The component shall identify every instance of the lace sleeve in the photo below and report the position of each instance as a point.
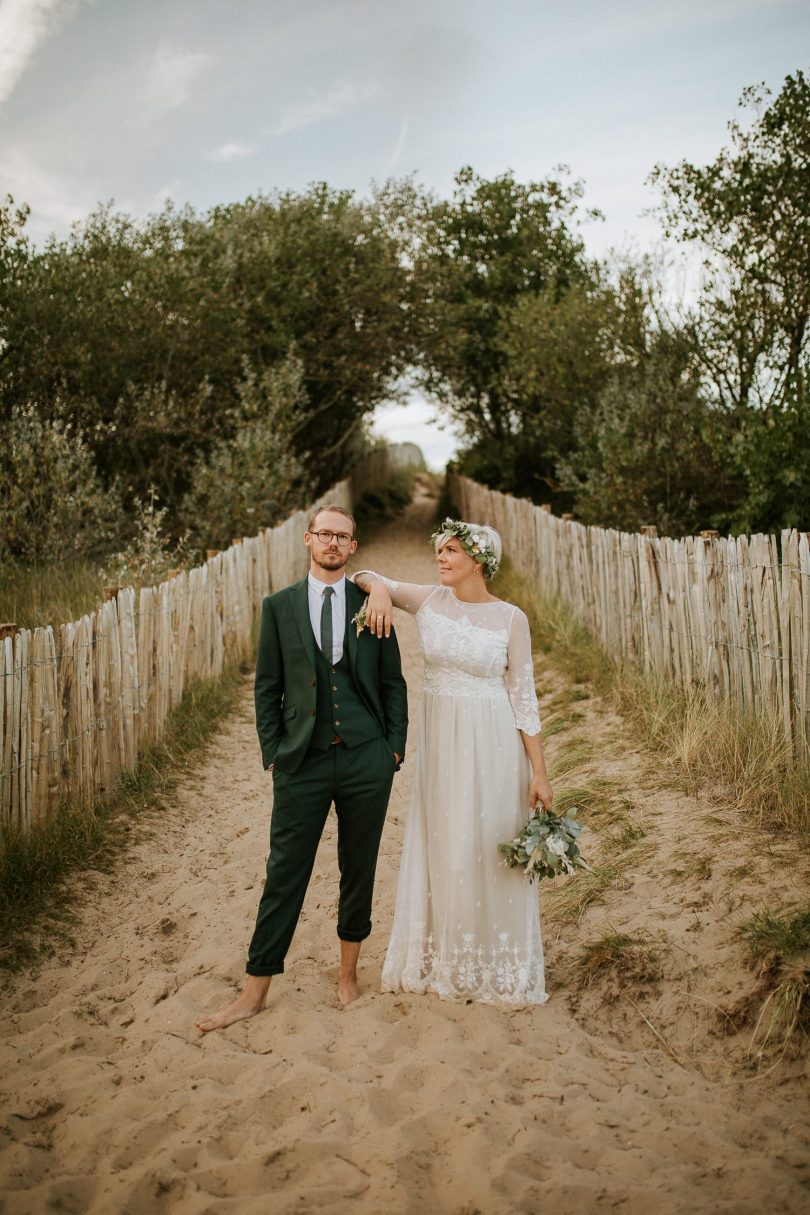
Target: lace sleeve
(520, 675)
(406, 595)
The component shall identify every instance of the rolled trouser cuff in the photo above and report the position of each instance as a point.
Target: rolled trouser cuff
(345, 935)
(260, 971)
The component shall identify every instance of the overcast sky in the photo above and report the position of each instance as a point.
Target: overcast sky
(206, 101)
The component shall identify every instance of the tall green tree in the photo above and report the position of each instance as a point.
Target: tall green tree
(493, 244)
(649, 448)
(320, 276)
(141, 331)
(749, 213)
(562, 349)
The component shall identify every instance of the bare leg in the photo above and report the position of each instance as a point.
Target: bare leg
(347, 975)
(247, 1004)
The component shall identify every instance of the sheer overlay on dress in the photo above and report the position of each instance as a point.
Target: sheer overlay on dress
(466, 927)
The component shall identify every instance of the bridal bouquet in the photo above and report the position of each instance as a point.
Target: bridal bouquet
(546, 847)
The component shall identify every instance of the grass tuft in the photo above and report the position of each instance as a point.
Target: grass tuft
(581, 796)
(632, 957)
(781, 946)
(35, 900)
(784, 1020)
(570, 900)
(601, 802)
(563, 721)
(624, 835)
(576, 754)
(767, 933)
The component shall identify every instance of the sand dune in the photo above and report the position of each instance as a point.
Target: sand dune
(112, 1102)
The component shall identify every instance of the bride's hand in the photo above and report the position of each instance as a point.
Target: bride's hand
(540, 791)
(379, 610)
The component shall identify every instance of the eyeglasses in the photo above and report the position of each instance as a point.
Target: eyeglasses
(343, 538)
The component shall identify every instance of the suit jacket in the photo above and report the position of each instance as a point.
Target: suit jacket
(286, 685)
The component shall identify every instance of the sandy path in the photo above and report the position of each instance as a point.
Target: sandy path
(112, 1102)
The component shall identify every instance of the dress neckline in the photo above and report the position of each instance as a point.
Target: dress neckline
(473, 603)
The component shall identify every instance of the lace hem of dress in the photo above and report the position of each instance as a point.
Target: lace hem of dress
(495, 974)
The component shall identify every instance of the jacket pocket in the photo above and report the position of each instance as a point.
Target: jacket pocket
(291, 712)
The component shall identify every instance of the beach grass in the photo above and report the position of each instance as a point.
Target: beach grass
(768, 933)
(634, 958)
(779, 948)
(35, 596)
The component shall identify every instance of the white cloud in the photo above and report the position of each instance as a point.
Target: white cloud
(23, 25)
(338, 100)
(172, 73)
(231, 151)
(418, 421)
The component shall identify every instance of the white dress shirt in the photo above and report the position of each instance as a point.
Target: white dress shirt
(316, 590)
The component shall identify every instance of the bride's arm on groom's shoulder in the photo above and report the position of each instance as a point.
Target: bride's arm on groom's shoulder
(385, 593)
(365, 579)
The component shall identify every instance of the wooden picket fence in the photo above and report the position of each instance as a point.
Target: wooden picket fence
(78, 705)
(729, 614)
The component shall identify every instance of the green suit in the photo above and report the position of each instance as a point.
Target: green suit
(303, 703)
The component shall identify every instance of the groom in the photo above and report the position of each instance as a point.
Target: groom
(332, 715)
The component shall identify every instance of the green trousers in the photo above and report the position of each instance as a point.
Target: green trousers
(358, 780)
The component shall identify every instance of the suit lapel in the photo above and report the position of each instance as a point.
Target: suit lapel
(354, 601)
(300, 597)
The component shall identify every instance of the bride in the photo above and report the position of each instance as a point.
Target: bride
(465, 927)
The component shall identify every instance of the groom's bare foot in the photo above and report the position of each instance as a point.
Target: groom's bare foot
(348, 991)
(250, 1002)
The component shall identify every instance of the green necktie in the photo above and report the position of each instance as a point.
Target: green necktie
(326, 624)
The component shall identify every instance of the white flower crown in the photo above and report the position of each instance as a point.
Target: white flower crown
(472, 541)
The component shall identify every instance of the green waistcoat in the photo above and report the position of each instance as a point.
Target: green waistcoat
(339, 710)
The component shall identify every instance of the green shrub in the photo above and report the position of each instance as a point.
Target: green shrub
(252, 478)
(150, 554)
(53, 504)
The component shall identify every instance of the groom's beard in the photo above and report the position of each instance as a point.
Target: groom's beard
(330, 561)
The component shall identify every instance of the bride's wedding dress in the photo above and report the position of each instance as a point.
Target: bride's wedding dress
(465, 926)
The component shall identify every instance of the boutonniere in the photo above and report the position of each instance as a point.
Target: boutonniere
(359, 618)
